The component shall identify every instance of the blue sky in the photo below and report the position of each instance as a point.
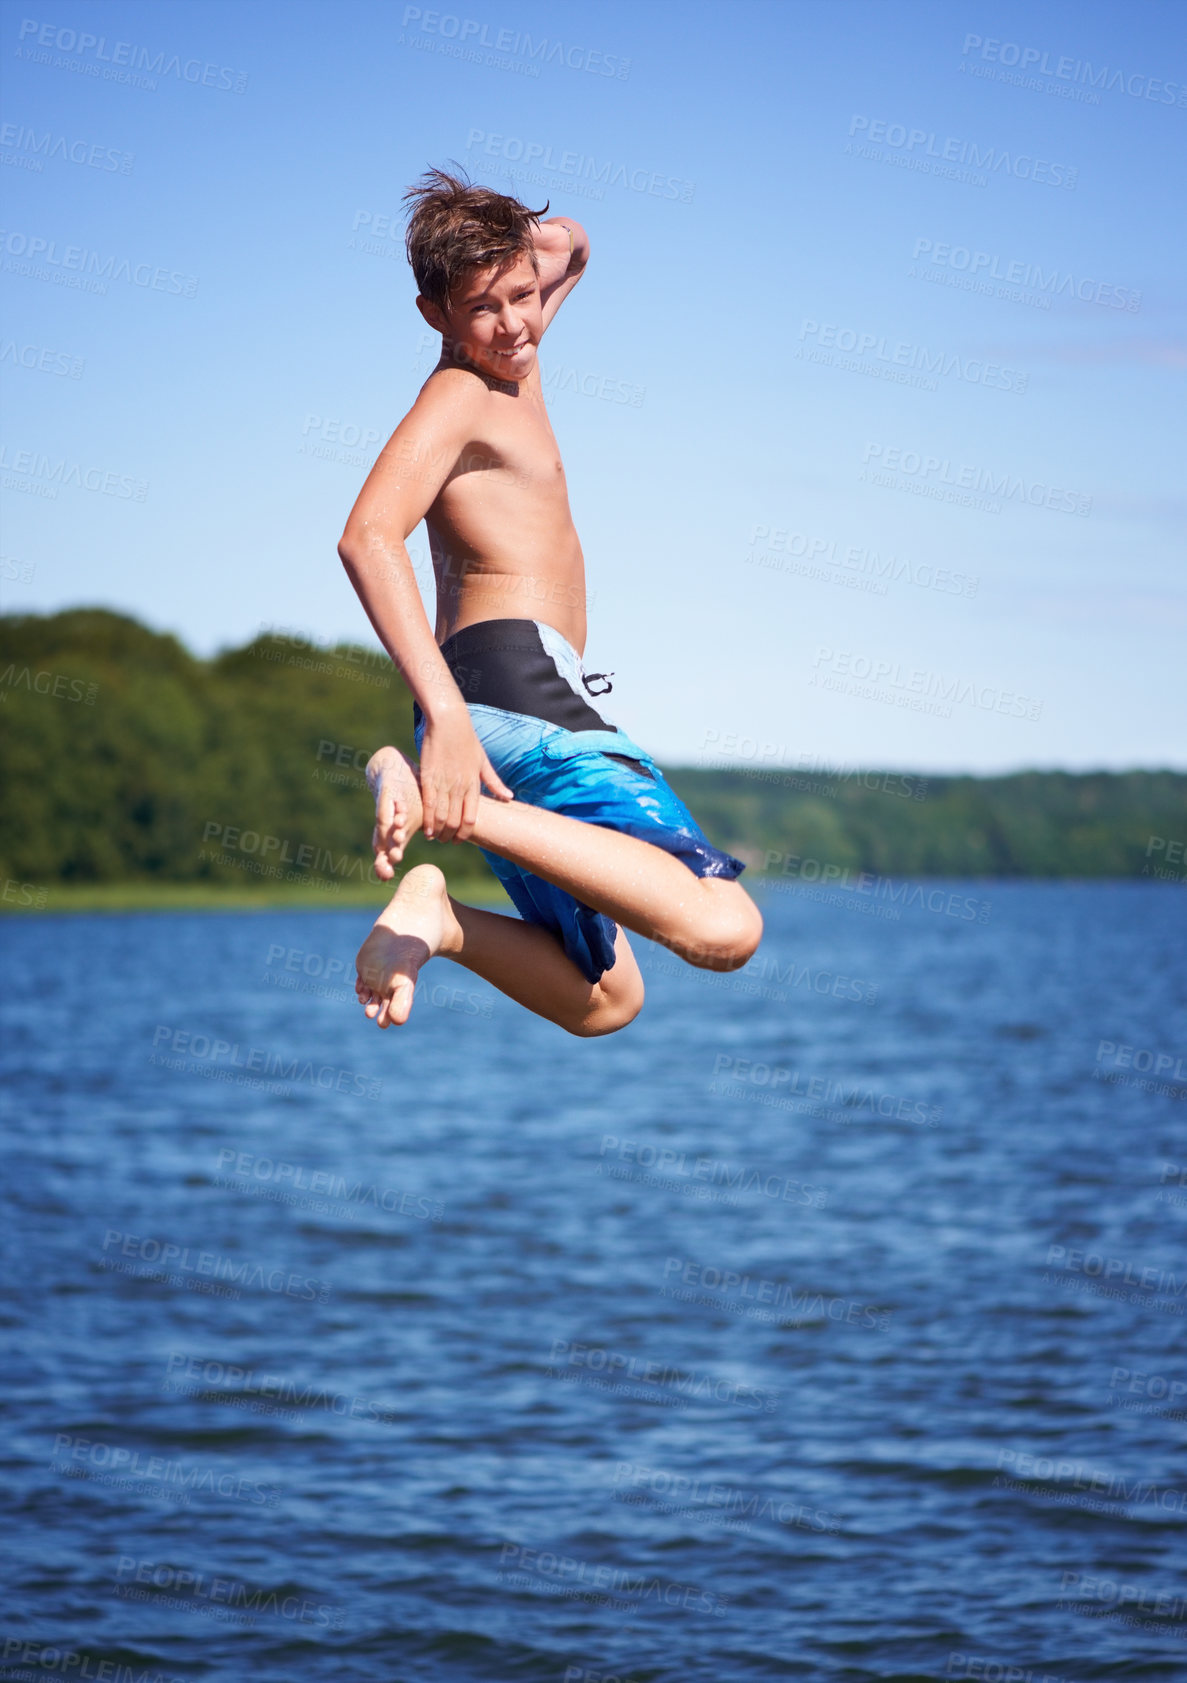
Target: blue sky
(871, 399)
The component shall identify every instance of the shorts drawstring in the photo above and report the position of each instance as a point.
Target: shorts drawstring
(605, 678)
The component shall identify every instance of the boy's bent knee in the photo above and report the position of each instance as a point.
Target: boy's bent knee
(727, 939)
(610, 1014)
(746, 934)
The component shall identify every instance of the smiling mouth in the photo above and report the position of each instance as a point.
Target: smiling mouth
(515, 349)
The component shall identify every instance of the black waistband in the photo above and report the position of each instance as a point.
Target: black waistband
(503, 663)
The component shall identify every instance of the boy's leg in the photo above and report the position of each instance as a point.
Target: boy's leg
(520, 959)
(710, 922)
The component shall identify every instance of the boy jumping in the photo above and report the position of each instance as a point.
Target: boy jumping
(578, 822)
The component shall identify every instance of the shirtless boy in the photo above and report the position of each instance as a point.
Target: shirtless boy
(576, 820)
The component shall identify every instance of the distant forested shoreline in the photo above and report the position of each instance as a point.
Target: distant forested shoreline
(126, 760)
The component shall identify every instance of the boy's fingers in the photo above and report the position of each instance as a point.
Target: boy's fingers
(440, 814)
(428, 799)
(449, 812)
(469, 812)
(494, 782)
(383, 864)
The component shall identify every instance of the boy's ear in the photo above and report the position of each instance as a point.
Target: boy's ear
(433, 314)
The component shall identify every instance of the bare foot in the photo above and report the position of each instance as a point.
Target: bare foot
(417, 924)
(398, 810)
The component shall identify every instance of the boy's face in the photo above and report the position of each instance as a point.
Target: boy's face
(494, 320)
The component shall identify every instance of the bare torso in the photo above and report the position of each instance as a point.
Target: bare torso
(502, 538)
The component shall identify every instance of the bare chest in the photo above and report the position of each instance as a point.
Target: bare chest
(522, 440)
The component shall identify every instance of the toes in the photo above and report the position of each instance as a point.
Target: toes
(397, 1006)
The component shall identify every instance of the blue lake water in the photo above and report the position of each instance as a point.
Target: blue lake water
(830, 1322)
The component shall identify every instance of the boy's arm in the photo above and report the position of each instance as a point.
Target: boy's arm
(562, 251)
(400, 489)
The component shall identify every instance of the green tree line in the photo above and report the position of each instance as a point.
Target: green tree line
(126, 759)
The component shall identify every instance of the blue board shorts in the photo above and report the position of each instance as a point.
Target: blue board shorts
(528, 700)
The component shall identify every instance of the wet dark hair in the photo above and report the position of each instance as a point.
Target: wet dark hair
(455, 227)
